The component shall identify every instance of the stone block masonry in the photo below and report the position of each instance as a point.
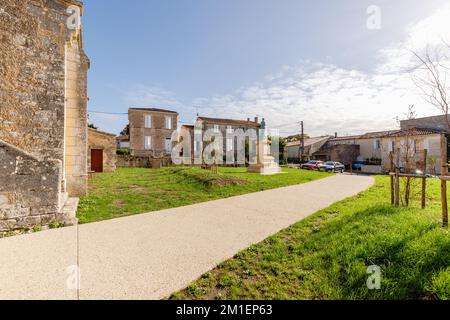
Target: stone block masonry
(43, 111)
(29, 190)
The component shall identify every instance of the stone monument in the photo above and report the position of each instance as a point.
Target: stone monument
(264, 163)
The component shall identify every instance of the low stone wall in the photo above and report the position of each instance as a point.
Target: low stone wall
(128, 161)
(372, 169)
(30, 189)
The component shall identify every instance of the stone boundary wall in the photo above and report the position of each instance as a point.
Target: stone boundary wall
(126, 161)
(29, 190)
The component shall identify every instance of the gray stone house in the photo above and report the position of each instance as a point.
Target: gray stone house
(223, 126)
(43, 116)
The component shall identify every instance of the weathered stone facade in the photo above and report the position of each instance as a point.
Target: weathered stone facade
(30, 189)
(158, 131)
(43, 116)
(98, 140)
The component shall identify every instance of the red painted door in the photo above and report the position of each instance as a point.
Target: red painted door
(97, 160)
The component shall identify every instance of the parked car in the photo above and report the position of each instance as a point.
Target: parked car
(357, 165)
(311, 165)
(332, 167)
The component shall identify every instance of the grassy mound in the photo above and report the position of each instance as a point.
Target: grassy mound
(208, 179)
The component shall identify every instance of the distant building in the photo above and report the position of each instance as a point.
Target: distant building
(101, 151)
(375, 147)
(441, 122)
(123, 142)
(218, 125)
(311, 145)
(151, 131)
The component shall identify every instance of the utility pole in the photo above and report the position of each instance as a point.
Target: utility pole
(302, 138)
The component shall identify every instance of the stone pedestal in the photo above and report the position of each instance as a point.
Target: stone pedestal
(265, 163)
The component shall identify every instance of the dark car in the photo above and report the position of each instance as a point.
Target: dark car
(357, 165)
(332, 166)
(311, 165)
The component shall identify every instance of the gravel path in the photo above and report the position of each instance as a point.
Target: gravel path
(152, 255)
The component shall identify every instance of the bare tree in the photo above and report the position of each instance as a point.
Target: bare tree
(432, 81)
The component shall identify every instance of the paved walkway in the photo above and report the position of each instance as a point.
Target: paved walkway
(149, 256)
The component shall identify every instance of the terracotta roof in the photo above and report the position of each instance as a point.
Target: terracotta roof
(102, 132)
(123, 138)
(153, 110)
(345, 138)
(308, 142)
(230, 122)
(414, 132)
(379, 134)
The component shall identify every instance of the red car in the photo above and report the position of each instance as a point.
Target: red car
(312, 165)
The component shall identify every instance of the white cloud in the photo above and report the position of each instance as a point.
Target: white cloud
(329, 98)
(143, 96)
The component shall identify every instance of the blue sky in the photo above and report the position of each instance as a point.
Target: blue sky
(285, 60)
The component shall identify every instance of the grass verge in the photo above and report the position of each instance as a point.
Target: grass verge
(133, 191)
(327, 255)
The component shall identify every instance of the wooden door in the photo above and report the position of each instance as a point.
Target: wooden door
(97, 160)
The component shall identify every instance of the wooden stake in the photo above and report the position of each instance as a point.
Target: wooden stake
(391, 158)
(444, 181)
(397, 179)
(424, 180)
(444, 203)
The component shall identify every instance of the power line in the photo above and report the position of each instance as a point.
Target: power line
(104, 112)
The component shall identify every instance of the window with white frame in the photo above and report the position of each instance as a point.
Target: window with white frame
(216, 128)
(148, 121)
(391, 146)
(230, 129)
(197, 146)
(230, 145)
(168, 122)
(148, 143)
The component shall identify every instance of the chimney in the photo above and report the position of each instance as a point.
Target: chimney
(256, 119)
(335, 134)
(248, 119)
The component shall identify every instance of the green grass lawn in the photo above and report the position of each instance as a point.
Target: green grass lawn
(133, 191)
(327, 255)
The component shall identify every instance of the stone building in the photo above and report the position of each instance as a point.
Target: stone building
(223, 126)
(310, 146)
(151, 132)
(43, 116)
(441, 122)
(101, 151)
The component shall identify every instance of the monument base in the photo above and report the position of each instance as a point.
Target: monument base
(264, 170)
